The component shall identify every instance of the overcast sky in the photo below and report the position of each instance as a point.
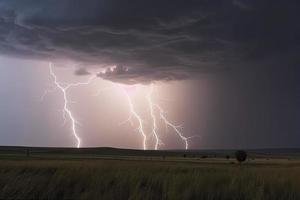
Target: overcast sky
(227, 71)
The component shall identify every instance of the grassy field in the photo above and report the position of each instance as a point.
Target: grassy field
(114, 174)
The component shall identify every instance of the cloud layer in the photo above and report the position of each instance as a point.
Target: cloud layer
(154, 40)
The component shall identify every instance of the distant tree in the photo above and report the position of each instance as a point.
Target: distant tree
(204, 156)
(241, 156)
(227, 157)
(184, 155)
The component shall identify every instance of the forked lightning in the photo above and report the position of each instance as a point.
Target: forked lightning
(153, 107)
(66, 110)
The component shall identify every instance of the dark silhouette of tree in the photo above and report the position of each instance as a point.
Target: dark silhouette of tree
(184, 155)
(227, 157)
(241, 156)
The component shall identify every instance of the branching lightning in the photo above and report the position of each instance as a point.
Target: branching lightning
(154, 130)
(165, 120)
(154, 125)
(174, 127)
(133, 113)
(66, 110)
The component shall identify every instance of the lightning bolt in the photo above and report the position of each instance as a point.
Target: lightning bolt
(165, 120)
(154, 125)
(66, 110)
(133, 113)
(174, 127)
(152, 108)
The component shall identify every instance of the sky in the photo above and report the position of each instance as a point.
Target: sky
(225, 73)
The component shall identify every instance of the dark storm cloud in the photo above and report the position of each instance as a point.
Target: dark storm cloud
(156, 40)
(133, 76)
(82, 72)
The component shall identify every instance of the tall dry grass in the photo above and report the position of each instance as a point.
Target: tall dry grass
(95, 179)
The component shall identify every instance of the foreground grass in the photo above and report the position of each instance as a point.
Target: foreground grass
(109, 179)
